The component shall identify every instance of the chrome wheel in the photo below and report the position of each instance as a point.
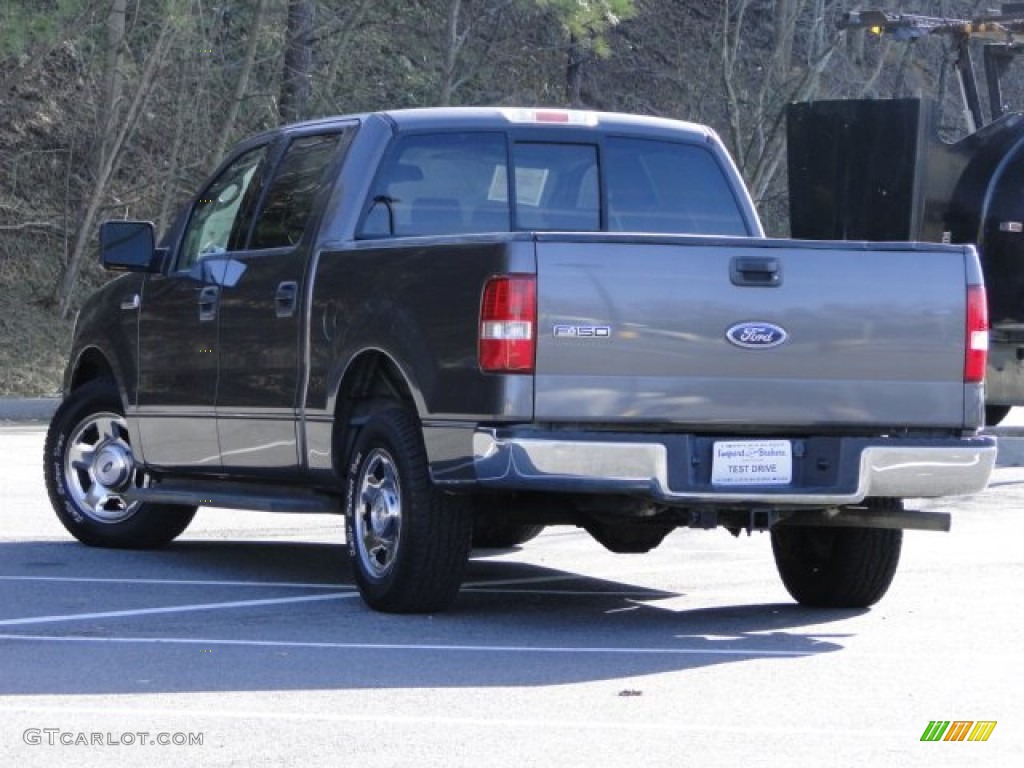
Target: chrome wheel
(89, 467)
(99, 468)
(378, 516)
(407, 541)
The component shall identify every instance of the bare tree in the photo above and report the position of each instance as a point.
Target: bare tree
(756, 92)
(298, 61)
(339, 36)
(467, 45)
(241, 84)
(455, 39)
(113, 81)
(65, 286)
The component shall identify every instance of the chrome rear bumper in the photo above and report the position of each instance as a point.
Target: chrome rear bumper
(675, 470)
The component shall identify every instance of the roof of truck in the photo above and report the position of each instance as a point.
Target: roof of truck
(448, 118)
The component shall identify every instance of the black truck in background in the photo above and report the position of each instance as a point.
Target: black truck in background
(877, 170)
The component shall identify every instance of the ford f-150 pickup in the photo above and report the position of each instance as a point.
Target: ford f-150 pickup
(456, 326)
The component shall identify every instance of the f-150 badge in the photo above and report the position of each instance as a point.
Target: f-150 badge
(583, 332)
(756, 335)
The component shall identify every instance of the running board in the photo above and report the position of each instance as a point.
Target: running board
(233, 495)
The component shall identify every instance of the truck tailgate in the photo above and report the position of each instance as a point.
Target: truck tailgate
(636, 330)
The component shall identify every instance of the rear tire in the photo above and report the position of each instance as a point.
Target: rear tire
(408, 541)
(836, 567)
(995, 414)
(88, 465)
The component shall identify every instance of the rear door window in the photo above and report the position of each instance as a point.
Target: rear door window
(302, 173)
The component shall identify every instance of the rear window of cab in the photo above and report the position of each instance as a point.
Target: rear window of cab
(459, 183)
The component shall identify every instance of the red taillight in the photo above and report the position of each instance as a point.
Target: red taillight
(508, 319)
(977, 334)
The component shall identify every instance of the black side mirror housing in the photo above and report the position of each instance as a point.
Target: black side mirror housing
(129, 246)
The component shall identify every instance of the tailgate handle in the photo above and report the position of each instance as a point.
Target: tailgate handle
(764, 272)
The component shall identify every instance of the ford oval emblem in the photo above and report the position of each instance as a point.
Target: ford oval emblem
(756, 335)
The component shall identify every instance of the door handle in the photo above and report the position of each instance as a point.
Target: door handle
(286, 298)
(764, 272)
(209, 296)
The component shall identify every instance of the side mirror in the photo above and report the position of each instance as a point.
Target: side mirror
(129, 246)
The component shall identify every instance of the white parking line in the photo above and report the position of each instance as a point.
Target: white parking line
(546, 649)
(679, 725)
(471, 585)
(172, 609)
(497, 586)
(176, 582)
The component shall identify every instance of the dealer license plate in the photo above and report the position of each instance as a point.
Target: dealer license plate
(752, 462)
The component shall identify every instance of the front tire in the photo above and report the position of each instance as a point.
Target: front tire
(409, 542)
(836, 567)
(88, 466)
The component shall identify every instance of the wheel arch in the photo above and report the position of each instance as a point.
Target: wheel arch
(91, 364)
(372, 379)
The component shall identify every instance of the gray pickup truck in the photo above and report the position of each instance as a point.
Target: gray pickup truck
(457, 326)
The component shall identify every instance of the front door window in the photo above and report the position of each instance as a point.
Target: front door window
(220, 219)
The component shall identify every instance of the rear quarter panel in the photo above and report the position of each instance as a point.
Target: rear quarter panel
(417, 300)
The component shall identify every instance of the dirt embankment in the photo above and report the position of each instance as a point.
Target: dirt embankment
(46, 126)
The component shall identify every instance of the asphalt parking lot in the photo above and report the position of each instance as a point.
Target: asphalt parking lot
(247, 635)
